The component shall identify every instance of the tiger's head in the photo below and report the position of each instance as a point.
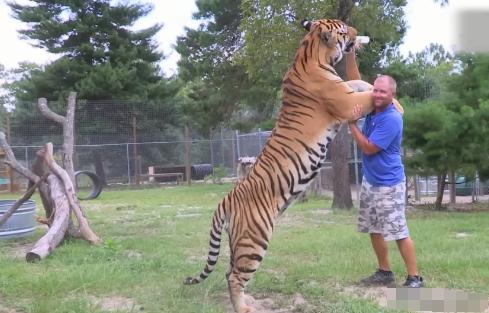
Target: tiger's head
(334, 36)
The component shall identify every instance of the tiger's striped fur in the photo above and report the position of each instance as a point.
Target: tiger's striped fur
(315, 102)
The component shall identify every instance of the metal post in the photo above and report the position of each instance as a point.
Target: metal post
(238, 152)
(188, 141)
(210, 146)
(128, 164)
(26, 158)
(135, 149)
(259, 140)
(416, 188)
(222, 148)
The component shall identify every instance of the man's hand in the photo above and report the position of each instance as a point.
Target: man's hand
(357, 114)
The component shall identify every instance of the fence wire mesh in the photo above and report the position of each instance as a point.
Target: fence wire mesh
(121, 140)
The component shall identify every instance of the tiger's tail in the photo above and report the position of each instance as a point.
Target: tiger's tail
(214, 247)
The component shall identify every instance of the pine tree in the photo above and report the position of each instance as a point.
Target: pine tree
(100, 56)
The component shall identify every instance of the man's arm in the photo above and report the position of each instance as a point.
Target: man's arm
(365, 145)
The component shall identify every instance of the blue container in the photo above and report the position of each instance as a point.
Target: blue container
(21, 223)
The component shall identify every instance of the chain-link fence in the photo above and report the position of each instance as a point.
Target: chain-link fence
(126, 142)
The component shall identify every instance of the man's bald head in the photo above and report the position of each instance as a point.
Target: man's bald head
(390, 80)
(384, 90)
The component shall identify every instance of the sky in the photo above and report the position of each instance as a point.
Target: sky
(427, 23)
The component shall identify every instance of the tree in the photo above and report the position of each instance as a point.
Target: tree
(272, 32)
(100, 57)
(468, 99)
(448, 133)
(217, 86)
(421, 76)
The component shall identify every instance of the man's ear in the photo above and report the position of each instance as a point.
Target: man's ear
(329, 38)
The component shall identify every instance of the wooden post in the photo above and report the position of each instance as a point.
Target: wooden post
(187, 155)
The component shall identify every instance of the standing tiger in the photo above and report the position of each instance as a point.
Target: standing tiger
(315, 101)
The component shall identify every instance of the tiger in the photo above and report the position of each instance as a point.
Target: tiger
(315, 102)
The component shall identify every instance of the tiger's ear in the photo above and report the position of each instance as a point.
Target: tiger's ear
(329, 38)
(306, 24)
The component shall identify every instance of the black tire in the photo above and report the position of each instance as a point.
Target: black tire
(97, 185)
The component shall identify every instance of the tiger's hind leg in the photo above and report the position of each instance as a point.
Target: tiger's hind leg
(241, 271)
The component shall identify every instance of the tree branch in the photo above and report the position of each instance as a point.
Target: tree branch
(12, 161)
(85, 229)
(42, 104)
(5, 216)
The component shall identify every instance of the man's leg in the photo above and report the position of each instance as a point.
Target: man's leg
(406, 248)
(368, 222)
(381, 251)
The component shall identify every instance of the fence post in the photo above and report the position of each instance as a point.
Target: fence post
(135, 149)
(26, 157)
(128, 164)
(238, 152)
(187, 155)
(222, 148)
(212, 152)
(259, 141)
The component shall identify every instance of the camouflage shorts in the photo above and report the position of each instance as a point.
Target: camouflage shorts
(382, 210)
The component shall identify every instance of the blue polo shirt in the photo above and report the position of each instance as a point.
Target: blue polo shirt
(384, 129)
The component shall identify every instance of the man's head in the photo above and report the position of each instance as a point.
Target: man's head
(384, 91)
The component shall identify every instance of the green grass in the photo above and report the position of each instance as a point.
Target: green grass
(154, 238)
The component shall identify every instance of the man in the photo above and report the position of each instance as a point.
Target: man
(382, 200)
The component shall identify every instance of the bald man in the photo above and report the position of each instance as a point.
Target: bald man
(382, 199)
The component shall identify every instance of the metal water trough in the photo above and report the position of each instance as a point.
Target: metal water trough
(21, 223)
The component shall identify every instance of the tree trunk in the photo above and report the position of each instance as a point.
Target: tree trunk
(341, 184)
(58, 195)
(69, 137)
(339, 156)
(99, 166)
(68, 124)
(451, 179)
(343, 10)
(440, 190)
(57, 229)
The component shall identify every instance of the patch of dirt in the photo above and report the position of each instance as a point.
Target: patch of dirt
(376, 294)
(129, 207)
(18, 251)
(274, 303)
(133, 254)
(462, 235)
(115, 303)
(5, 309)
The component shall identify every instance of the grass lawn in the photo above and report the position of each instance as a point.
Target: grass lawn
(154, 238)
